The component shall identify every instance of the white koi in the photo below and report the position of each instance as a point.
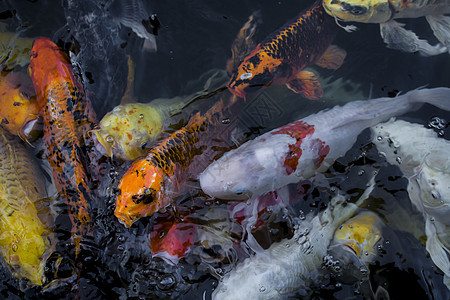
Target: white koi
(301, 149)
(424, 159)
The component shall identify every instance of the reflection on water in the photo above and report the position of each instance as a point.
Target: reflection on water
(207, 237)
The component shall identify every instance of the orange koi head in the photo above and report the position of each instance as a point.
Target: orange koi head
(140, 192)
(48, 65)
(255, 72)
(18, 102)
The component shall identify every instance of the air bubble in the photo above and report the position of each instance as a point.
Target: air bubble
(14, 247)
(141, 116)
(109, 139)
(226, 121)
(379, 138)
(262, 289)
(361, 172)
(398, 160)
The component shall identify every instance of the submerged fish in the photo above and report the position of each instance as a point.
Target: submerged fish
(424, 159)
(392, 32)
(301, 149)
(132, 14)
(171, 239)
(103, 63)
(23, 242)
(68, 117)
(18, 103)
(290, 265)
(14, 50)
(152, 182)
(282, 56)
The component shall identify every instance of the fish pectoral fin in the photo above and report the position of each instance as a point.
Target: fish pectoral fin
(441, 28)
(306, 83)
(333, 58)
(397, 37)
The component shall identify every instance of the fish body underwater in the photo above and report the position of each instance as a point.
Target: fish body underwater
(395, 36)
(290, 265)
(153, 181)
(423, 158)
(280, 58)
(68, 117)
(301, 149)
(23, 243)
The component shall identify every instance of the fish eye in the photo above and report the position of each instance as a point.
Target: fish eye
(353, 9)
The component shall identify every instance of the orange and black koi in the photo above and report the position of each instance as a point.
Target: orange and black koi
(151, 182)
(281, 57)
(68, 117)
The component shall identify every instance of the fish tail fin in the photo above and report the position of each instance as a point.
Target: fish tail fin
(439, 97)
(133, 14)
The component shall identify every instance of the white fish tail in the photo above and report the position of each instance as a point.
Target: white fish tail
(439, 97)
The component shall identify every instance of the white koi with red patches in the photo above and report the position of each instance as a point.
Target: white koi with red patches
(301, 149)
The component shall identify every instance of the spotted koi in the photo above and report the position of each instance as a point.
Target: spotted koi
(151, 182)
(68, 116)
(281, 57)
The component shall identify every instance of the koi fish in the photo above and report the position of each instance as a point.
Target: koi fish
(394, 35)
(151, 182)
(18, 102)
(281, 57)
(301, 149)
(354, 246)
(68, 116)
(292, 264)
(23, 241)
(423, 159)
(170, 239)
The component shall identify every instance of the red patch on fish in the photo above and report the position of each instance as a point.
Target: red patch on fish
(297, 130)
(171, 237)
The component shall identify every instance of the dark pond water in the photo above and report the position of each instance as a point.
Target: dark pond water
(195, 37)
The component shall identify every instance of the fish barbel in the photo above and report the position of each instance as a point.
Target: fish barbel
(280, 58)
(68, 117)
(300, 149)
(23, 241)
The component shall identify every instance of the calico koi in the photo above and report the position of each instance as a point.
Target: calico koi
(281, 57)
(68, 117)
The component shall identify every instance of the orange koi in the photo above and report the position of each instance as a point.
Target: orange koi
(281, 57)
(151, 182)
(18, 102)
(68, 116)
